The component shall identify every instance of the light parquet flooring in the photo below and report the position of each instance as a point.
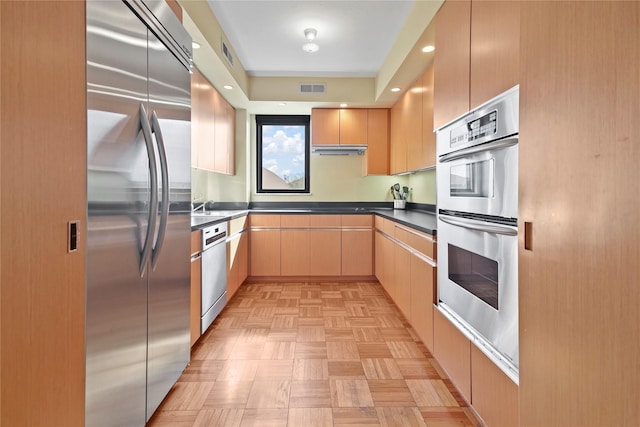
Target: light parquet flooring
(312, 354)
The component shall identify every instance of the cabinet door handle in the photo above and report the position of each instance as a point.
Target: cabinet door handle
(528, 236)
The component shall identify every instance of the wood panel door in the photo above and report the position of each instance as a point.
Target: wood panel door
(353, 126)
(221, 135)
(265, 252)
(495, 49)
(202, 122)
(377, 155)
(357, 252)
(325, 126)
(451, 61)
(196, 295)
(379, 256)
(413, 126)
(324, 252)
(398, 142)
(403, 280)
(453, 352)
(428, 131)
(579, 299)
(43, 187)
(389, 267)
(243, 257)
(422, 299)
(231, 139)
(495, 396)
(233, 266)
(294, 252)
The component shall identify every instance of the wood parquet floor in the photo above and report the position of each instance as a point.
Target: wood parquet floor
(312, 354)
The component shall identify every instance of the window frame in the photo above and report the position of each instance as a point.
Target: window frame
(283, 120)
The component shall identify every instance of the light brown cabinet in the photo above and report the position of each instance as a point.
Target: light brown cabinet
(345, 126)
(423, 296)
(265, 245)
(237, 254)
(357, 245)
(453, 351)
(495, 49)
(196, 285)
(403, 279)
(43, 187)
(318, 245)
(493, 395)
(413, 145)
(452, 61)
(477, 54)
(377, 155)
(579, 299)
(355, 126)
(212, 128)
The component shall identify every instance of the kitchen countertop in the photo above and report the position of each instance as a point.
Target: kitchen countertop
(421, 220)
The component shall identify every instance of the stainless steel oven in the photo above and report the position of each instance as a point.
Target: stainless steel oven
(477, 184)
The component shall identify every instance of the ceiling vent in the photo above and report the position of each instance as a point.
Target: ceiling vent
(313, 88)
(227, 53)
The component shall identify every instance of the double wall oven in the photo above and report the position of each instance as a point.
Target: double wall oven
(477, 184)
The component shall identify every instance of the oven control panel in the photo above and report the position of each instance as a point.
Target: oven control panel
(479, 128)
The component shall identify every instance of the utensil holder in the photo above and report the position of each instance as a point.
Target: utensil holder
(399, 204)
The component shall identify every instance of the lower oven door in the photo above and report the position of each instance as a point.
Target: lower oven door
(478, 279)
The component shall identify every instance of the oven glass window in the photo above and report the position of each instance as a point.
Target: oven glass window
(474, 273)
(471, 179)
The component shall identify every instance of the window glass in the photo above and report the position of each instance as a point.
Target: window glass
(283, 154)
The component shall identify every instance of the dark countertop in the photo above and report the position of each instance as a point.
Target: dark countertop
(419, 219)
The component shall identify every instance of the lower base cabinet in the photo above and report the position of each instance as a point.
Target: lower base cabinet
(453, 351)
(237, 262)
(324, 252)
(196, 284)
(265, 252)
(493, 395)
(422, 298)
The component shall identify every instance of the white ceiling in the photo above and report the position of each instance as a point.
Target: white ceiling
(354, 36)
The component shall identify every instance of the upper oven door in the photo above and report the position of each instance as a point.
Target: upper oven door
(480, 181)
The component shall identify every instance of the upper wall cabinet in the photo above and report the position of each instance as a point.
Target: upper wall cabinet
(412, 137)
(355, 126)
(212, 128)
(332, 126)
(477, 55)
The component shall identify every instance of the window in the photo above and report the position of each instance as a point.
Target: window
(283, 154)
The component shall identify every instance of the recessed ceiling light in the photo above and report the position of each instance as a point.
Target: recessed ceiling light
(428, 48)
(343, 105)
(395, 89)
(228, 87)
(282, 104)
(195, 45)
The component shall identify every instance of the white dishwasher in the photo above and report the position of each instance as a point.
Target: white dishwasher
(214, 274)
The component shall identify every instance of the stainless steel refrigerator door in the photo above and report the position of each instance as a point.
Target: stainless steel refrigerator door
(118, 209)
(169, 279)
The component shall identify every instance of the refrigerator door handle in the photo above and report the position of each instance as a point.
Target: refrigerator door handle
(153, 199)
(164, 172)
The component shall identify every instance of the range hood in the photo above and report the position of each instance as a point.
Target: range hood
(339, 150)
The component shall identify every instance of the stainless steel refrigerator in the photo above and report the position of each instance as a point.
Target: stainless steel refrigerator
(138, 191)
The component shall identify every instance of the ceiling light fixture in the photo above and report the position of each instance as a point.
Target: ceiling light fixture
(282, 104)
(310, 34)
(343, 105)
(428, 48)
(228, 87)
(195, 45)
(395, 89)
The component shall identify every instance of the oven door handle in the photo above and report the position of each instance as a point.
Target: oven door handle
(465, 152)
(472, 224)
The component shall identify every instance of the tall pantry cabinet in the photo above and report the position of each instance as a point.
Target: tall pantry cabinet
(579, 188)
(42, 179)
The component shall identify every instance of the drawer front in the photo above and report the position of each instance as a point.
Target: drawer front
(357, 221)
(294, 221)
(417, 240)
(329, 221)
(265, 221)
